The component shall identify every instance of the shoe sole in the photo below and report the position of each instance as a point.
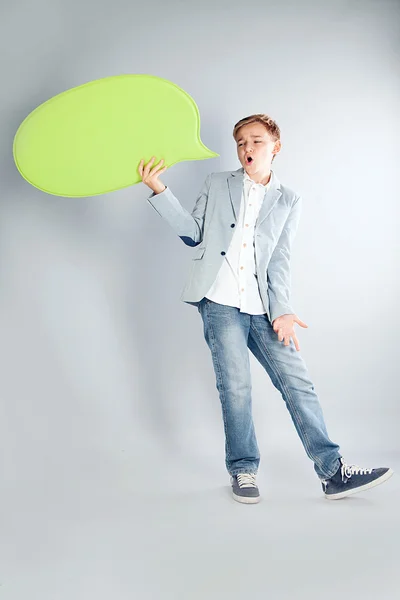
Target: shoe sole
(246, 499)
(361, 488)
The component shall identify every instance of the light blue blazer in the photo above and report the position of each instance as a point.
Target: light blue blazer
(210, 226)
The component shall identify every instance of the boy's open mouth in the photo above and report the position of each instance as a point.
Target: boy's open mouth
(249, 159)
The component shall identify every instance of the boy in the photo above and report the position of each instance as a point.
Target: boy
(243, 225)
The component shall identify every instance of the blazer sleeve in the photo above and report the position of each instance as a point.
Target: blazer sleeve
(278, 269)
(189, 226)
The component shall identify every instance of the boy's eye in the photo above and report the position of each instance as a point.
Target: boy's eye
(256, 142)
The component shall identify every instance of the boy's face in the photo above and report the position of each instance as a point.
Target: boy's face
(255, 148)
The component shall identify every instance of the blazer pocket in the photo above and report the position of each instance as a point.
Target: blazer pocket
(199, 253)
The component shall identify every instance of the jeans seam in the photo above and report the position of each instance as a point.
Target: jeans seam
(223, 400)
(288, 393)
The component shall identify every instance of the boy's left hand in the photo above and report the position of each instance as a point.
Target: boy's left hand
(284, 327)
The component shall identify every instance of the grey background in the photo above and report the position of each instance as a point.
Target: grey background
(113, 483)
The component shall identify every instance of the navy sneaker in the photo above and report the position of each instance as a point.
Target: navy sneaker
(244, 488)
(350, 479)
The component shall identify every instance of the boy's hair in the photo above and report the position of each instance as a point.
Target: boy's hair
(270, 125)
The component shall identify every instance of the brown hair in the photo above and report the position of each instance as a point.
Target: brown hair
(270, 125)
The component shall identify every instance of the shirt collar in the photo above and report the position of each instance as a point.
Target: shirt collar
(266, 186)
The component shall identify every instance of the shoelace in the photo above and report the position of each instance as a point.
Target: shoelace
(349, 470)
(246, 480)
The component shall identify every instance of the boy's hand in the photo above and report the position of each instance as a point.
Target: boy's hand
(150, 175)
(284, 327)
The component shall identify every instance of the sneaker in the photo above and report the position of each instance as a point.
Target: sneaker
(244, 488)
(350, 479)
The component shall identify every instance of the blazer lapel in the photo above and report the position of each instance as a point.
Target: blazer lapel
(271, 197)
(235, 183)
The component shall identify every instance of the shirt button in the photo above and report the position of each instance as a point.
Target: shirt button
(233, 225)
(247, 224)
(242, 290)
(242, 267)
(244, 245)
(223, 253)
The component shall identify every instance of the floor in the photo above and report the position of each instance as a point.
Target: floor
(106, 531)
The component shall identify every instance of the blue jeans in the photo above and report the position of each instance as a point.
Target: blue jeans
(229, 334)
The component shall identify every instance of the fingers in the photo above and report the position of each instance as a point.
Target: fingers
(285, 337)
(296, 343)
(147, 172)
(157, 168)
(144, 169)
(300, 322)
(147, 167)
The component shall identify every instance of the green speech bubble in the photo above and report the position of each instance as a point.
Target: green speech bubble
(89, 140)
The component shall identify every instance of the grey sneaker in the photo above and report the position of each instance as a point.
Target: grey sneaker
(244, 488)
(350, 479)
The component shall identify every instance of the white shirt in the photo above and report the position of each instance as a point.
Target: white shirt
(236, 282)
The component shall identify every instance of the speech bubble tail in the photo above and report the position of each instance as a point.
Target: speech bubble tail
(208, 154)
(205, 152)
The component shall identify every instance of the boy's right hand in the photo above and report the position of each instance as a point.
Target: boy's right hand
(150, 175)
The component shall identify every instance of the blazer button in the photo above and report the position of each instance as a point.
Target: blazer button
(222, 253)
(233, 225)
